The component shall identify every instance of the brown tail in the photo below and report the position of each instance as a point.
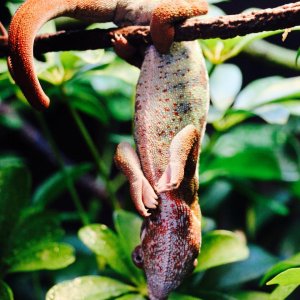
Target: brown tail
(24, 27)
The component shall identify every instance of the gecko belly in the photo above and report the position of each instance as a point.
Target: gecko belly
(172, 93)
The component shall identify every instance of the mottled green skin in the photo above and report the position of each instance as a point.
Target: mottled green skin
(172, 93)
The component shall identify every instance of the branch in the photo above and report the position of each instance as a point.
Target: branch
(224, 27)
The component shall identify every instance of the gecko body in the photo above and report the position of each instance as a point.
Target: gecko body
(170, 116)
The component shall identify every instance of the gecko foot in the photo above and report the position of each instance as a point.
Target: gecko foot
(141, 191)
(171, 178)
(126, 51)
(143, 195)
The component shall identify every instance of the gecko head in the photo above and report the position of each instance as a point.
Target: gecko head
(168, 251)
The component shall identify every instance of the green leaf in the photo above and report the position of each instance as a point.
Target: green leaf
(104, 242)
(268, 90)
(55, 185)
(225, 83)
(128, 226)
(132, 297)
(291, 262)
(297, 56)
(5, 291)
(241, 165)
(32, 245)
(287, 277)
(14, 195)
(218, 50)
(118, 95)
(42, 256)
(89, 288)
(247, 98)
(282, 292)
(253, 136)
(177, 296)
(237, 273)
(85, 99)
(215, 193)
(251, 295)
(221, 247)
(273, 113)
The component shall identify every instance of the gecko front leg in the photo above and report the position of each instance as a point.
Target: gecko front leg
(141, 192)
(183, 149)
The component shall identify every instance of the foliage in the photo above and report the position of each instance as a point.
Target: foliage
(249, 182)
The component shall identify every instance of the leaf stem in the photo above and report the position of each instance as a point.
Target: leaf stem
(96, 156)
(70, 184)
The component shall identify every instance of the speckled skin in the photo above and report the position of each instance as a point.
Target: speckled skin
(171, 108)
(34, 13)
(172, 93)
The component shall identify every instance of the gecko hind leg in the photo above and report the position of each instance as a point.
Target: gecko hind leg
(180, 151)
(142, 193)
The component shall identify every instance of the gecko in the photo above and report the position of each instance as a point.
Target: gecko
(170, 118)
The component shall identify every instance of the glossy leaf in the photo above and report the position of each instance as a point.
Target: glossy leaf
(287, 277)
(221, 247)
(128, 226)
(86, 100)
(267, 90)
(33, 244)
(241, 165)
(225, 83)
(273, 113)
(177, 296)
(247, 98)
(237, 273)
(5, 291)
(118, 96)
(42, 256)
(132, 297)
(282, 292)
(251, 296)
(250, 136)
(218, 50)
(54, 186)
(291, 262)
(89, 288)
(104, 242)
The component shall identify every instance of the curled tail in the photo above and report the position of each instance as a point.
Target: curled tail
(24, 26)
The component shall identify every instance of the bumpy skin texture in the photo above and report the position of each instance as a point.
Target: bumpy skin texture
(171, 108)
(34, 13)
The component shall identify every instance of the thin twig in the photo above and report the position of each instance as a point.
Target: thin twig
(224, 27)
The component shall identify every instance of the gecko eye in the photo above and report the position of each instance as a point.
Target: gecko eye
(137, 256)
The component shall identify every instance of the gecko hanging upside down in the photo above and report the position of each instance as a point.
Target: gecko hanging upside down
(170, 117)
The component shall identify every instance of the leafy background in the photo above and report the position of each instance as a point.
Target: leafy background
(67, 225)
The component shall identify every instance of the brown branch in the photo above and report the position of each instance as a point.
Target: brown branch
(224, 27)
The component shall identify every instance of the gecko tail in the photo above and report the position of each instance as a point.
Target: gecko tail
(25, 24)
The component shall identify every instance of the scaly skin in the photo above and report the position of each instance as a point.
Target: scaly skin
(34, 13)
(172, 93)
(171, 109)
